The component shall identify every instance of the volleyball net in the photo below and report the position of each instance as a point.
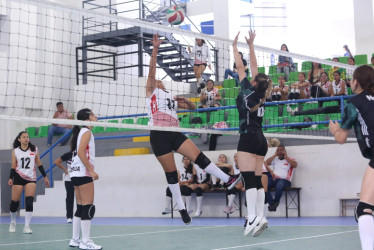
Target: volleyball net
(95, 58)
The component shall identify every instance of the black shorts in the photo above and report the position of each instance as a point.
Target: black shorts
(253, 142)
(18, 180)
(196, 64)
(79, 181)
(371, 163)
(164, 142)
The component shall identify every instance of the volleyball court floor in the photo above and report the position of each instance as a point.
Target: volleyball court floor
(203, 233)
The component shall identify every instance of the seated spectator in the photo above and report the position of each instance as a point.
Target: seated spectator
(347, 51)
(338, 86)
(231, 194)
(185, 176)
(210, 96)
(372, 61)
(300, 89)
(315, 73)
(285, 64)
(234, 73)
(281, 175)
(273, 142)
(280, 92)
(59, 129)
(201, 183)
(352, 62)
(331, 71)
(225, 167)
(321, 88)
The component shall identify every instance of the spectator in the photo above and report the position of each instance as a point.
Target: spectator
(338, 86)
(58, 129)
(285, 64)
(280, 92)
(321, 88)
(352, 62)
(225, 167)
(201, 183)
(69, 187)
(347, 52)
(314, 74)
(372, 61)
(234, 73)
(201, 55)
(281, 175)
(300, 89)
(331, 71)
(231, 194)
(210, 96)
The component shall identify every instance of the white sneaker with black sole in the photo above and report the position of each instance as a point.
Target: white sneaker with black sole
(260, 227)
(12, 227)
(74, 243)
(89, 245)
(251, 225)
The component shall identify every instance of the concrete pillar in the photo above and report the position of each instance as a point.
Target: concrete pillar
(364, 26)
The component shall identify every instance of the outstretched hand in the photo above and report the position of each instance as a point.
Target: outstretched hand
(252, 35)
(235, 42)
(156, 41)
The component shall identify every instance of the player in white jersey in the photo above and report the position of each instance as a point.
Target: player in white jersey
(201, 184)
(164, 142)
(25, 158)
(210, 96)
(82, 175)
(338, 86)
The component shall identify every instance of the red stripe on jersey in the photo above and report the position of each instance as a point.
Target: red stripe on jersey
(154, 107)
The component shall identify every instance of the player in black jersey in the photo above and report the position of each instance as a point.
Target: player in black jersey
(252, 146)
(359, 113)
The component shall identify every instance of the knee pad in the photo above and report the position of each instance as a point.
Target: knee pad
(172, 177)
(186, 191)
(363, 209)
(249, 180)
(168, 192)
(14, 206)
(78, 213)
(258, 182)
(202, 161)
(88, 211)
(199, 191)
(29, 203)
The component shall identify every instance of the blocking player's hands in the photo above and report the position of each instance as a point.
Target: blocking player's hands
(235, 42)
(156, 41)
(252, 35)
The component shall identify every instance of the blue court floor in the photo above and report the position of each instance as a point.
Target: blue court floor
(203, 233)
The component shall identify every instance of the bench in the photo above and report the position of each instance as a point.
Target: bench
(347, 203)
(294, 202)
(172, 205)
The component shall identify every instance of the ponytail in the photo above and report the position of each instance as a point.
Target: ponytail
(82, 115)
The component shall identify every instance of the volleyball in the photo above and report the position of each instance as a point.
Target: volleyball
(175, 15)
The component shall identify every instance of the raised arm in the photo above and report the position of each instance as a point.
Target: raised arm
(238, 59)
(252, 55)
(151, 81)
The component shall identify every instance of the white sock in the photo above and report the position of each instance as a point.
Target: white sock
(188, 203)
(266, 209)
(86, 228)
(176, 191)
(251, 196)
(230, 198)
(260, 202)
(76, 227)
(13, 217)
(199, 201)
(28, 217)
(214, 180)
(184, 199)
(366, 230)
(167, 202)
(217, 172)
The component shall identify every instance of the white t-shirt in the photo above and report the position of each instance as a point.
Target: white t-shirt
(282, 168)
(336, 88)
(77, 168)
(26, 163)
(162, 109)
(201, 54)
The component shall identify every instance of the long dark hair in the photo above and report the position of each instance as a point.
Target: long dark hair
(312, 72)
(364, 75)
(348, 50)
(82, 115)
(17, 143)
(189, 168)
(262, 84)
(285, 46)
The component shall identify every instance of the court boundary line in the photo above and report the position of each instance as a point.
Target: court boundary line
(286, 240)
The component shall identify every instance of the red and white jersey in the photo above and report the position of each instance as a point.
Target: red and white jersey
(325, 87)
(337, 87)
(236, 170)
(202, 175)
(77, 168)
(26, 163)
(162, 109)
(201, 54)
(210, 95)
(282, 169)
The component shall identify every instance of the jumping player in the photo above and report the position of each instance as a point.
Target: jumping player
(359, 113)
(25, 156)
(162, 107)
(252, 146)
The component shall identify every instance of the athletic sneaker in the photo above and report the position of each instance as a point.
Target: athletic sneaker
(198, 213)
(167, 211)
(89, 245)
(233, 181)
(12, 227)
(260, 227)
(245, 222)
(233, 209)
(27, 230)
(227, 210)
(190, 211)
(74, 243)
(185, 216)
(69, 220)
(273, 207)
(251, 225)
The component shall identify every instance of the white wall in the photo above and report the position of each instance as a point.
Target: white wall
(134, 186)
